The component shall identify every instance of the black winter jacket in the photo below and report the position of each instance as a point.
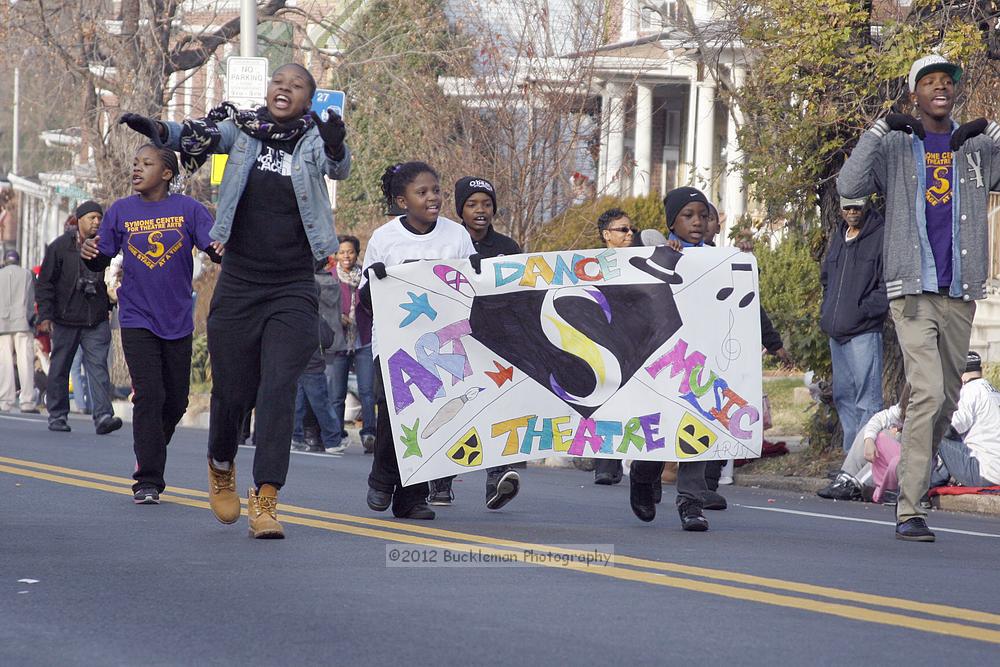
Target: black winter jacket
(67, 292)
(854, 300)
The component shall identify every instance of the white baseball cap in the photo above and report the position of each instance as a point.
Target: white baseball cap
(932, 63)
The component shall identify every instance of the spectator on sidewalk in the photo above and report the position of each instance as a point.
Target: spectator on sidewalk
(17, 343)
(314, 392)
(856, 472)
(971, 455)
(936, 177)
(853, 314)
(355, 347)
(73, 307)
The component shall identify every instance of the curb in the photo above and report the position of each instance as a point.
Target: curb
(988, 505)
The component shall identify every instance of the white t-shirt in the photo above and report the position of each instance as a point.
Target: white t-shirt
(977, 417)
(393, 244)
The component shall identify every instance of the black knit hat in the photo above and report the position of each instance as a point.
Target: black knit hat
(468, 186)
(678, 199)
(973, 362)
(86, 207)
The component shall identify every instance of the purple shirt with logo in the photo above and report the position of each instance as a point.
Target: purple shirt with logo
(156, 240)
(938, 202)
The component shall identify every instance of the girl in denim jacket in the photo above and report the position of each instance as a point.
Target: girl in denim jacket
(274, 217)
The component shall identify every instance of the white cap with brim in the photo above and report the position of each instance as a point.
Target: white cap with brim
(846, 202)
(932, 63)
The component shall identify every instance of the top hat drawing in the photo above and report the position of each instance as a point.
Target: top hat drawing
(661, 264)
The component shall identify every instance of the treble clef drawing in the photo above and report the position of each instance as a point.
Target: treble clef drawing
(731, 348)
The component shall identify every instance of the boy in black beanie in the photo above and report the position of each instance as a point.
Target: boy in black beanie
(476, 205)
(687, 219)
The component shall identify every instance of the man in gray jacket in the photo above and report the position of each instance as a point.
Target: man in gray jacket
(17, 306)
(935, 176)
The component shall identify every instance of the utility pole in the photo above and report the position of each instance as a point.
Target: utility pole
(17, 120)
(248, 28)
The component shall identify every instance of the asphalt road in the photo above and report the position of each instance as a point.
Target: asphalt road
(88, 578)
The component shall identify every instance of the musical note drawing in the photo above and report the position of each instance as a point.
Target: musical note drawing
(731, 348)
(727, 292)
(449, 411)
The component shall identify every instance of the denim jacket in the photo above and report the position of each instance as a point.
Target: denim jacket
(309, 164)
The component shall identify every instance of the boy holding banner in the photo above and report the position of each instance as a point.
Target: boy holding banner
(687, 213)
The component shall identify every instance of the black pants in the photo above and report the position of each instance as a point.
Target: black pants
(385, 470)
(610, 466)
(690, 477)
(260, 338)
(161, 378)
(713, 473)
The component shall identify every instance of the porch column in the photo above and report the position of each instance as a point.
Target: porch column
(643, 140)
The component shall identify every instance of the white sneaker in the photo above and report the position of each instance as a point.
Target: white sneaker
(725, 481)
(336, 450)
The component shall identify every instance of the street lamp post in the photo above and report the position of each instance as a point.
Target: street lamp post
(248, 28)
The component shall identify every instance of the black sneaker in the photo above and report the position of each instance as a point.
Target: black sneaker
(440, 494)
(108, 425)
(844, 487)
(691, 516)
(914, 530)
(59, 425)
(711, 500)
(607, 478)
(146, 495)
(368, 443)
(421, 512)
(642, 499)
(378, 500)
(890, 498)
(299, 446)
(925, 502)
(503, 490)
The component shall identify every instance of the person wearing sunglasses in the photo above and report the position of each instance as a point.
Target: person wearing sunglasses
(617, 231)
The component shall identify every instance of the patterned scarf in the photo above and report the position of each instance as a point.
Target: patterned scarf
(352, 278)
(200, 136)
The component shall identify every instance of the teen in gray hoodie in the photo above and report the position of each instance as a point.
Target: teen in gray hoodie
(935, 176)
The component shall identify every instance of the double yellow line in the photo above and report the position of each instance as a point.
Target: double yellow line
(853, 605)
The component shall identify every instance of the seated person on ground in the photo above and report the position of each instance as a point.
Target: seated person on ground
(970, 454)
(856, 472)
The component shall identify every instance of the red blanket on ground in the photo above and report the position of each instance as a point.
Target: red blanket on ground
(962, 490)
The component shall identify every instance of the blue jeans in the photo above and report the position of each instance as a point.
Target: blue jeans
(364, 369)
(95, 342)
(81, 392)
(312, 388)
(955, 460)
(857, 382)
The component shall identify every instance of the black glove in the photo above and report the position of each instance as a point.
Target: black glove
(378, 268)
(906, 123)
(333, 132)
(965, 132)
(143, 125)
(477, 263)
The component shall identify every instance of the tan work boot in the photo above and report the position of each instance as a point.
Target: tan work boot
(262, 510)
(222, 496)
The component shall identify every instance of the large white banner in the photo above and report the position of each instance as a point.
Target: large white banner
(638, 353)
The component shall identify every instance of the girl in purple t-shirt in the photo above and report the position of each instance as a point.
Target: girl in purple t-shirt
(156, 232)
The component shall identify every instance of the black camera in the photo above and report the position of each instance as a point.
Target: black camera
(87, 285)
